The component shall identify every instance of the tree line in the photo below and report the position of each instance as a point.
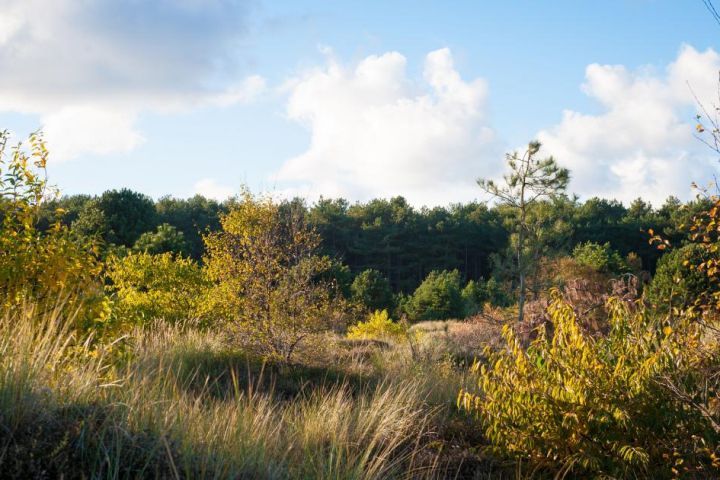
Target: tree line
(403, 242)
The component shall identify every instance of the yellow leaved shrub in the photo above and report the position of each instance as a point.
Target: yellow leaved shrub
(53, 268)
(594, 405)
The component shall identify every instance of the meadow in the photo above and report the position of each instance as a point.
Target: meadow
(183, 403)
(270, 358)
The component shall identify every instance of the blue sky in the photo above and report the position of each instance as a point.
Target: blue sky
(358, 99)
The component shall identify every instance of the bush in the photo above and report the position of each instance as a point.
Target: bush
(151, 287)
(675, 283)
(476, 294)
(49, 268)
(497, 294)
(595, 406)
(90, 221)
(474, 297)
(379, 326)
(339, 277)
(372, 290)
(601, 258)
(270, 283)
(439, 297)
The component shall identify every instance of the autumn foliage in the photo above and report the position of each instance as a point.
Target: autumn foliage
(47, 268)
(269, 280)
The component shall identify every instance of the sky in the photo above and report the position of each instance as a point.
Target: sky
(360, 99)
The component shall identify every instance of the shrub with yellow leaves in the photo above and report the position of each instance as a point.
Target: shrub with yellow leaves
(270, 284)
(148, 287)
(43, 268)
(379, 326)
(594, 405)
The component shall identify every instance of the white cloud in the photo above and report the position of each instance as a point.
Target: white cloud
(86, 128)
(375, 132)
(88, 68)
(210, 188)
(642, 144)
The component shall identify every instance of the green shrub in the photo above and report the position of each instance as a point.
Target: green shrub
(474, 297)
(438, 297)
(601, 258)
(372, 290)
(476, 294)
(497, 295)
(338, 275)
(675, 283)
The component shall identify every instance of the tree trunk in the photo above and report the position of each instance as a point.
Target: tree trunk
(521, 288)
(521, 266)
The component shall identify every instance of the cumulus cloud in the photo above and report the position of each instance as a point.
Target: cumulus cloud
(642, 143)
(88, 128)
(89, 68)
(376, 132)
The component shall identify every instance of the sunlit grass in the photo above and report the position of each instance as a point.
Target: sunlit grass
(155, 411)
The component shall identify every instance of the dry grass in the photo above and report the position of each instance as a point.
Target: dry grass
(65, 408)
(464, 340)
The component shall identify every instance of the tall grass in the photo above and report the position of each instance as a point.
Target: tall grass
(67, 409)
